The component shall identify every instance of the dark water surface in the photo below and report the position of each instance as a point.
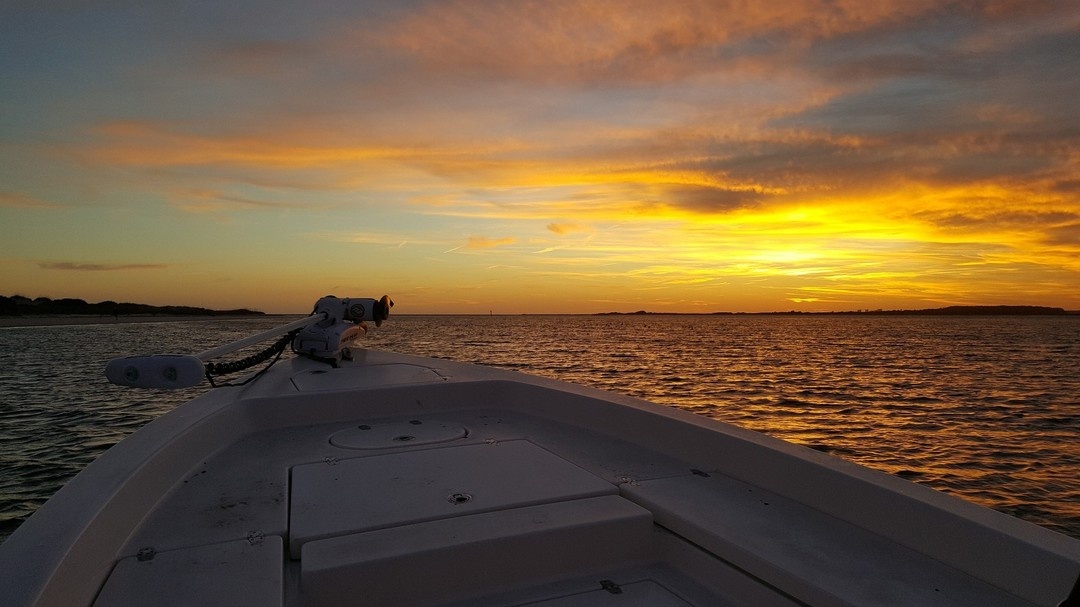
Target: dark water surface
(984, 407)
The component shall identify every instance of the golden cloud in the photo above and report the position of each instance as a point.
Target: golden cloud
(483, 242)
(567, 228)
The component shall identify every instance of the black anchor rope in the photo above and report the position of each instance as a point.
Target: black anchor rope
(273, 351)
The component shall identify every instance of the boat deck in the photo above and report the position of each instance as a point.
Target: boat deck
(401, 482)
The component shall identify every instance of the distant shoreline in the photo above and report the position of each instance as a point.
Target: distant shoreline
(56, 320)
(53, 320)
(947, 311)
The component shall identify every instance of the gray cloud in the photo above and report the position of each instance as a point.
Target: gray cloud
(707, 199)
(1066, 235)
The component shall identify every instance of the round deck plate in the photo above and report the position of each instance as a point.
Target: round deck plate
(398, 434)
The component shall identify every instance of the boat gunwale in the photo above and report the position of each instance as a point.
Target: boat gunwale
(98, 510)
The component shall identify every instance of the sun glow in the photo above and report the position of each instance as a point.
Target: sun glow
(689, 157)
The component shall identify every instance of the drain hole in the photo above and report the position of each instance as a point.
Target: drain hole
(458, 498)
(404, 438)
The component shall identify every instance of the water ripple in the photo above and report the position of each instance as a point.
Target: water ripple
(981, 407)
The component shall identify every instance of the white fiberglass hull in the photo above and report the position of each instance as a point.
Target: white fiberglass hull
(412, 481)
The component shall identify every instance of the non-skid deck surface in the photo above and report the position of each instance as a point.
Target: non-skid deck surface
(521, 512)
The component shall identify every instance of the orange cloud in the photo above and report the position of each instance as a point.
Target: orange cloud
(629, 41)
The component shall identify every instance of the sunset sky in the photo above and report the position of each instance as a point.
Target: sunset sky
(548, 156)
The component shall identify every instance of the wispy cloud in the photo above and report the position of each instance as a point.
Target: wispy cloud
(159, 144)
(811, 151)
(217, 201)
(99, 267)
(567, 228)
(19, 200)
(484, 242)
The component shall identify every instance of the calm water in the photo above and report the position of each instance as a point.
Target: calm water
(987, 408)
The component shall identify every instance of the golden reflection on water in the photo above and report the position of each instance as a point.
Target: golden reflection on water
(982, 407)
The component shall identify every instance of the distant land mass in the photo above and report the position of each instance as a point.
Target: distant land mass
(17, 305)
(946, 311)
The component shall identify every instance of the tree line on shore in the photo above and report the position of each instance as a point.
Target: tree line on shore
(18, 305)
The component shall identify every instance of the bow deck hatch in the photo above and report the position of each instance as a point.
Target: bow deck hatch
(339, 497)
